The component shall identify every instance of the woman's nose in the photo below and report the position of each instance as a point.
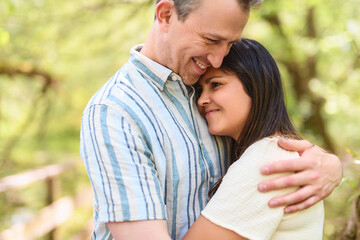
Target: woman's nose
(203, 99)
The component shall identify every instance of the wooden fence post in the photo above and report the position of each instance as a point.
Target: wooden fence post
(53, 186)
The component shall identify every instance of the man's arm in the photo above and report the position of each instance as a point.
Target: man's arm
(120, 167)
(139, 230)
(317, 173)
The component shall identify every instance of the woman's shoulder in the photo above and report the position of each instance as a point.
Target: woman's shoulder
(262, 152)
(268, 147)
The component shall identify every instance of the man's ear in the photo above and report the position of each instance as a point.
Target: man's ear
(164, 11)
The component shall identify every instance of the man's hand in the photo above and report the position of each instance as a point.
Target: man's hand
(317, 173)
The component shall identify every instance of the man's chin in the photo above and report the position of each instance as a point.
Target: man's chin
(190, 80)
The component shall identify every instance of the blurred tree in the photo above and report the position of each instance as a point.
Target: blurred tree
(53, 57)
(316, 44)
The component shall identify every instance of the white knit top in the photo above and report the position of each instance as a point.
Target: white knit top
(239, 206)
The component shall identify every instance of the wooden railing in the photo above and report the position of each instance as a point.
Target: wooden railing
(57, 211)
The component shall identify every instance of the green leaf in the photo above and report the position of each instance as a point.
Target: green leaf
(4, 37)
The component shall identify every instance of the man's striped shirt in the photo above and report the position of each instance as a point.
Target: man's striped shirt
(147, 150)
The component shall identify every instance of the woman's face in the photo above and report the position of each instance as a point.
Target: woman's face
(223, 103)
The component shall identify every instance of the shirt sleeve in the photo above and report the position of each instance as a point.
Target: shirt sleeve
(238, 205)
(120, 167)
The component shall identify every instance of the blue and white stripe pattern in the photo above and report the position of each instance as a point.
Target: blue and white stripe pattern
(147, 150)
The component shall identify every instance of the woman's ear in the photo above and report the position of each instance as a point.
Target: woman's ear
(164, 11)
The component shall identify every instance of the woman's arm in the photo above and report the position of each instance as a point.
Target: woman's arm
(204, 229)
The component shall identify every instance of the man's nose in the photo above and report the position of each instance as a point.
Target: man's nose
(216, 56)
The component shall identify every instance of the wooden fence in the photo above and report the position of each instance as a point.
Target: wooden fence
(57, 211)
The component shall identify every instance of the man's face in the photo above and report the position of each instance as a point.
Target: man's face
(203, 39)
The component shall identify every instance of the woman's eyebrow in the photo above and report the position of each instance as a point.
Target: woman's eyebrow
(209, 79)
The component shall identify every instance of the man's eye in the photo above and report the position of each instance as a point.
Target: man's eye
(212, 40)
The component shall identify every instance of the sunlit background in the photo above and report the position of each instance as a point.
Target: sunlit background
(54, 55)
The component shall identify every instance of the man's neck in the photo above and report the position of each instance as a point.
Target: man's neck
(151, 43)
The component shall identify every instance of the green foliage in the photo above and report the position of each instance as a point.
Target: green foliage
(79, 44)
(335, 47)
(4, 37)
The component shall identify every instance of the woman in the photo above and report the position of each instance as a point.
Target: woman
(244, 100)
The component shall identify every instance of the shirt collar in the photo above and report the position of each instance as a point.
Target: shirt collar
(156, 72)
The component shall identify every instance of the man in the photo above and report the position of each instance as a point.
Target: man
(147, 150)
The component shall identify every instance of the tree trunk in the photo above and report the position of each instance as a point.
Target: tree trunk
(352, 228)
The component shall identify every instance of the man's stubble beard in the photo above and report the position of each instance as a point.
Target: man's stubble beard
(183, 72)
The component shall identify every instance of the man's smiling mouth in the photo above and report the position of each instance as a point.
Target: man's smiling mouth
(201, 66)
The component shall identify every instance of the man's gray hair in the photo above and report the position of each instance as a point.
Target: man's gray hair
(185, 7)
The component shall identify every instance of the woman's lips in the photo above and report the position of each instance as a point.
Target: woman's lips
(210, 112)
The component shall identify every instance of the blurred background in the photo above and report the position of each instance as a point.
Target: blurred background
(54, 55)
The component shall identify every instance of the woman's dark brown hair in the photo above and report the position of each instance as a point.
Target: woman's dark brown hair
(260, 76)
